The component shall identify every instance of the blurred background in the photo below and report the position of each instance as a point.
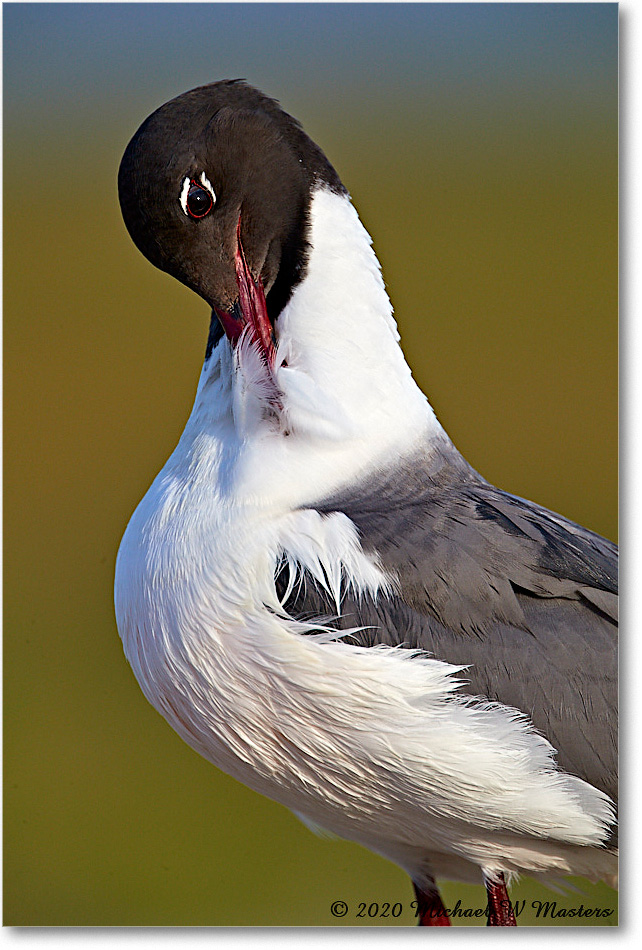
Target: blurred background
(479, 143)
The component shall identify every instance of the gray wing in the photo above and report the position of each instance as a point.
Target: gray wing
(523, 596)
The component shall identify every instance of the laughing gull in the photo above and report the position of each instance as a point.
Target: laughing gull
(318, 592)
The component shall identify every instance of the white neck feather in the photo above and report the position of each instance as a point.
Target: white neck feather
(349, 399)
(338, 335)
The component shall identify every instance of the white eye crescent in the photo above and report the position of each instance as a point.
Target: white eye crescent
(183, 199)
(207, 184)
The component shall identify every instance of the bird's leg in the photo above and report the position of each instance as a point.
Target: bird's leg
(500, 909)
(432, 912)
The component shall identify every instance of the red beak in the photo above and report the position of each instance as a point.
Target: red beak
(250, 310)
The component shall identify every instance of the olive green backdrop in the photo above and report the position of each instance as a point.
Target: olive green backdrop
(480, 147)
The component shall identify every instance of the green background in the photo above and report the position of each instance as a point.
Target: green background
(480, 146)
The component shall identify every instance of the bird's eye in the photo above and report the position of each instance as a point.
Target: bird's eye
(197, 199)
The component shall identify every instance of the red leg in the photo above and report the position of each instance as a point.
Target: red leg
(499, 906)
(432, 912)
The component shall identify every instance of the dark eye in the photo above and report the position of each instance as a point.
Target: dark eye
(199, 201)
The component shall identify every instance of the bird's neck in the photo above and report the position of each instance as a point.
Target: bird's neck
(346, 375)
(348, 400)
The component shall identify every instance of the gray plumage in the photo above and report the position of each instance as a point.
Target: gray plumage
(524, 597)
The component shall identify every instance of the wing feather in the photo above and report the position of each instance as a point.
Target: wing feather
(524, 597)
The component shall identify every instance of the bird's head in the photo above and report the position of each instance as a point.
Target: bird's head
(215, 188)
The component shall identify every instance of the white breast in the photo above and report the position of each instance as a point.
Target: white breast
(367, 743)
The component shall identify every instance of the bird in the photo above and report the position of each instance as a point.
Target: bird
(318, 592)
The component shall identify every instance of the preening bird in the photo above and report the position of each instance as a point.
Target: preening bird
(318, 592)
